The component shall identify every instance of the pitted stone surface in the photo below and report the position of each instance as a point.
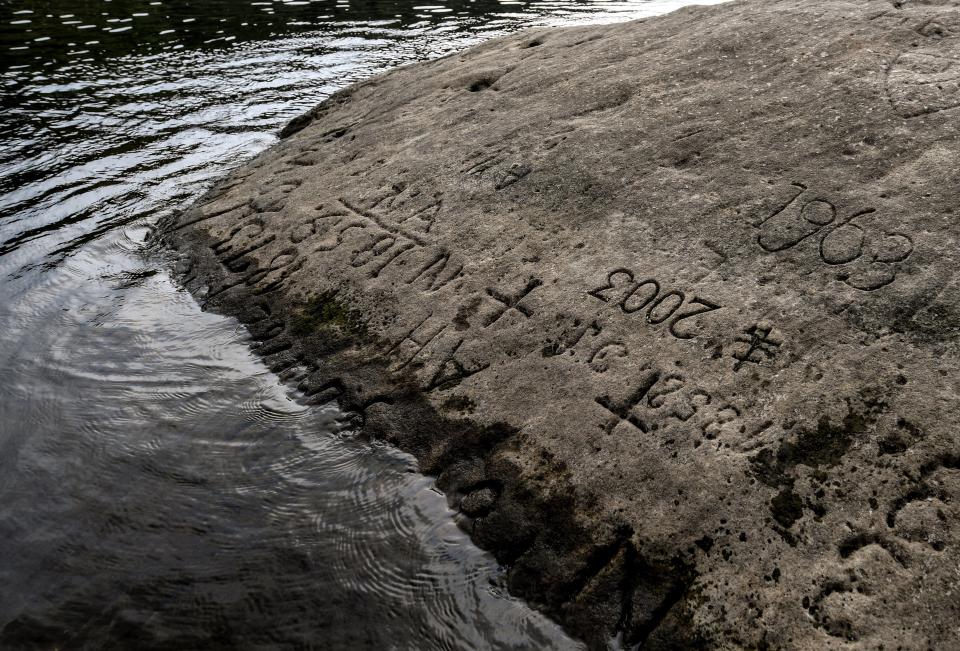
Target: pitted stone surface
(681, 293)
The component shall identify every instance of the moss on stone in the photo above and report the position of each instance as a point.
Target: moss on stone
(325, 311)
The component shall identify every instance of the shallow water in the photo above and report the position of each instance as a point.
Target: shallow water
(159, 488)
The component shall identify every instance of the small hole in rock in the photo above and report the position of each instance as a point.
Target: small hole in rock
(480, 84)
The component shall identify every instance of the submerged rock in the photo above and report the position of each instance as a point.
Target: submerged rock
(680, 294)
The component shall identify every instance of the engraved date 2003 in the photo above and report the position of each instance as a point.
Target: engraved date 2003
(646, 298)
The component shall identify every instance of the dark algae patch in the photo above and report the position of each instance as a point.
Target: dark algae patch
(901, 439)
(821, 447)
(786, 507)
(324, 312)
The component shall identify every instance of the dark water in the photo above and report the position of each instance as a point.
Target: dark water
(159, 488)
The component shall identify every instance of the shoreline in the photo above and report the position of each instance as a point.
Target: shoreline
(587, 590)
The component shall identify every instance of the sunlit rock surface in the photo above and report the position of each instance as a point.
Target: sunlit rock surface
(669, 306)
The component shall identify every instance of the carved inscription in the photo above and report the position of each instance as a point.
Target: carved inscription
(436, 272)
(381, 221)
(623, 408)
(453, 369)
(405, 206)
(867, 255)
(570, 335)
(377, 244)
(389, 232)
(647, 299)
(602, 358)
(232, 253)
(656, 398)
(433, 343)
(759, 344)
(411, 345)
(479, 162)
(515, 172)
(507, 302)
(503, 172)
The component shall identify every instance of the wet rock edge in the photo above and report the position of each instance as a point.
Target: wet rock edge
(560, 554)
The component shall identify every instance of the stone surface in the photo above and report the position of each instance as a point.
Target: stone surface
(478, 502)
(680, 292)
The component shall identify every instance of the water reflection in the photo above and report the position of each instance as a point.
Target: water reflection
(62, 32)
(159, 488)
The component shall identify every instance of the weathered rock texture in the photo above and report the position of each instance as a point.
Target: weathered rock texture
(671, 308)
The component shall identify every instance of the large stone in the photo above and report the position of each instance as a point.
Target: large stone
(680, 292)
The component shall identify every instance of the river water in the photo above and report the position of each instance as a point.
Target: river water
(159, 487)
